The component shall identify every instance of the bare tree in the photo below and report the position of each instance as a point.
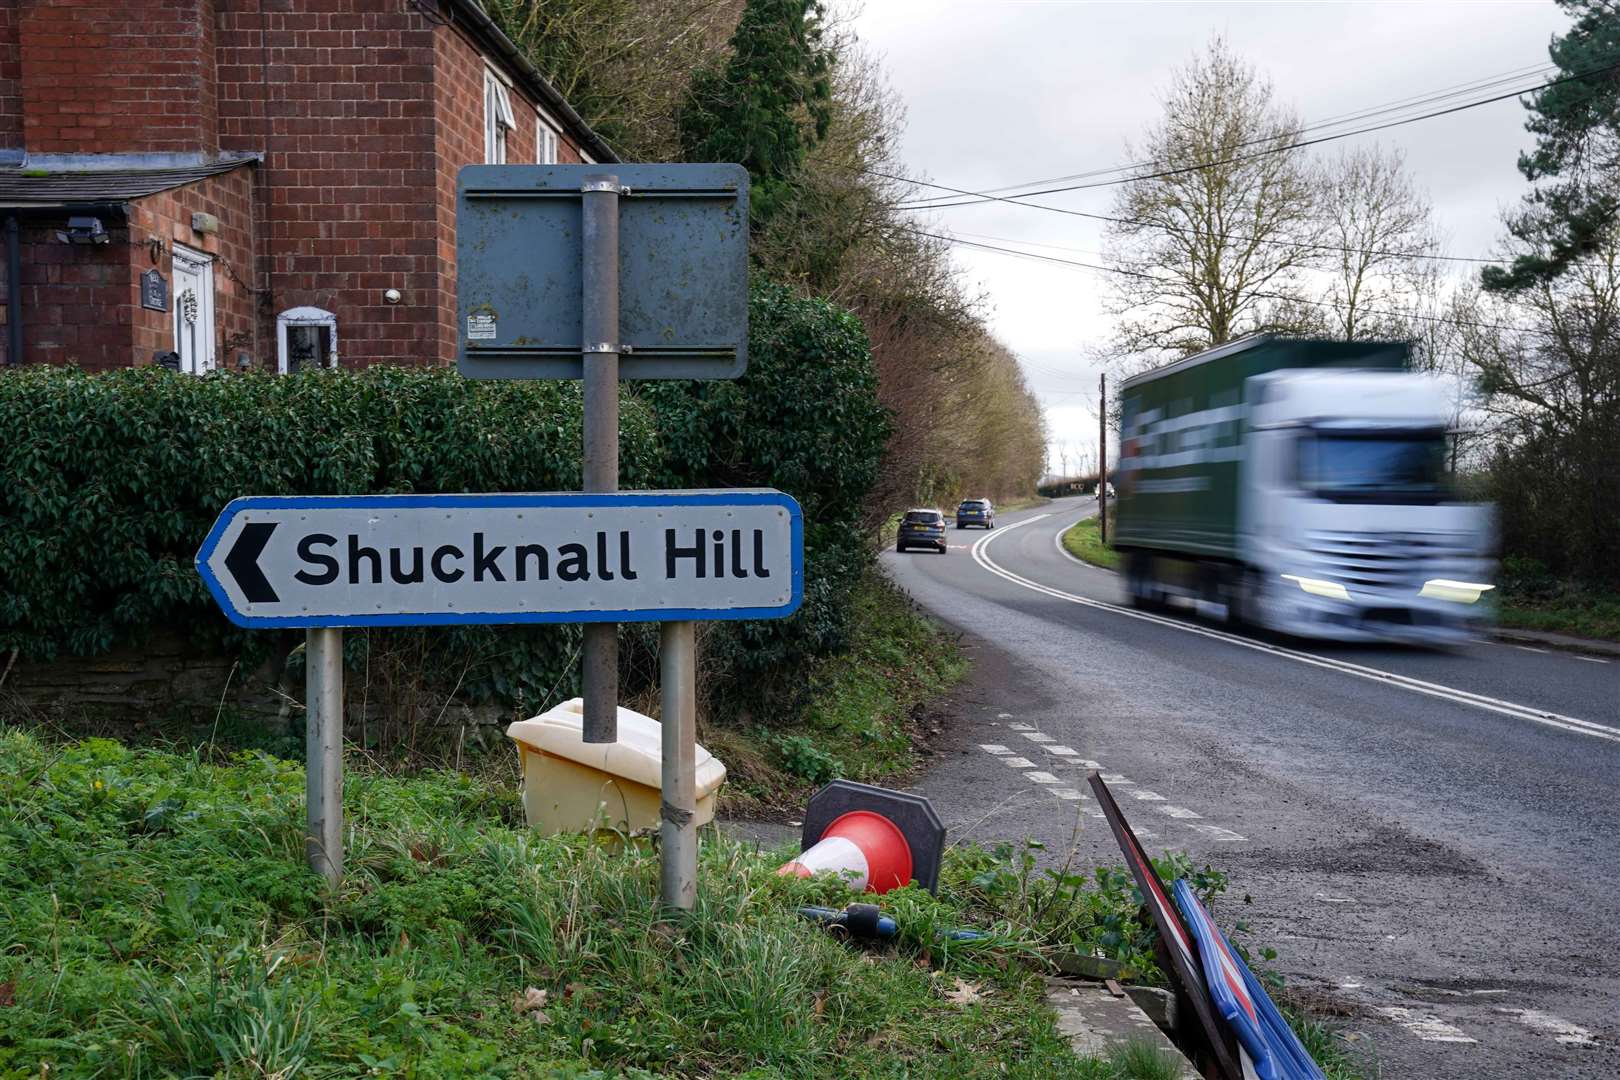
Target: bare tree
(1376, 222)
(1217, 227)
(1548, 364)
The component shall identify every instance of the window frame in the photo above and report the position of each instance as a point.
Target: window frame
(545, 142)
(302, 316)
(499, 120)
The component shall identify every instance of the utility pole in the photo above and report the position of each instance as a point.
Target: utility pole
(1102, 456)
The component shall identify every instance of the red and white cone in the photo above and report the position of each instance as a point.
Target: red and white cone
(864, 848)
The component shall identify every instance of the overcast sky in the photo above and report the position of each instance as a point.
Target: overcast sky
(998, 92)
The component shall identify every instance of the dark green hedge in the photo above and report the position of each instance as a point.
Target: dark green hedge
(111, 480)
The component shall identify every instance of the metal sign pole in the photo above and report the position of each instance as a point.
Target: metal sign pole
(323, 685)
(1102, 457)
(599, 323)
(677, 835)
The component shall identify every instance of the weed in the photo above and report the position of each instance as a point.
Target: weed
(1138, 1060)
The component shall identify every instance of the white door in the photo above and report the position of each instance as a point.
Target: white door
(193, 310)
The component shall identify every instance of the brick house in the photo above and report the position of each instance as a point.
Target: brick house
(250, 183)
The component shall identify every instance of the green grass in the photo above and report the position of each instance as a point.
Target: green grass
(1084, 541)
(1531, 598)
(857, 714)
(156, 919)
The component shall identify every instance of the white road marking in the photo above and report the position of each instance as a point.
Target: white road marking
(1035, 736)
(1061, 751)
(1326, 899)
(1067, 554)
(1117, 779)
(1565, 1032)
(1145, 795)
(1215, 832)
(1042, 778)
(1427, 1028)
(994, 748)
(1090, 764)
(1177, 812)
(1068, 793)
(1019, 762)
(1592, 659)
(1018, 727)
(1531, 648)
(1389, 678)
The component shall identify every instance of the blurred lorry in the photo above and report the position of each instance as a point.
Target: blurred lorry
(1300, 486)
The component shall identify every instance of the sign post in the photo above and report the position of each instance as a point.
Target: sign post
(322, 563)
(599, 325)
(323, 750)
(677, 236)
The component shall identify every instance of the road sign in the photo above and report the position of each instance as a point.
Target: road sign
(425, 560)
(682, 261)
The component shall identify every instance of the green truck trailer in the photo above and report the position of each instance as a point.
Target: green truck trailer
(1299, 485)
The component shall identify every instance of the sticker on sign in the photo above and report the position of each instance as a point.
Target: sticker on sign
(419, 560)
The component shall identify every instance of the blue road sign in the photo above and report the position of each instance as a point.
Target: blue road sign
(428, 560)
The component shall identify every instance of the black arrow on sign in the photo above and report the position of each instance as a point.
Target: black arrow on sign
(243, 562)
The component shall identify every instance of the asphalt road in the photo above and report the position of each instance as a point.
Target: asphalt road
(1431, 840)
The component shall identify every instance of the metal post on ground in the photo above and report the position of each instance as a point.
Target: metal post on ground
(677, 835)
(323, 684)
(1102, 458)
(599, 323)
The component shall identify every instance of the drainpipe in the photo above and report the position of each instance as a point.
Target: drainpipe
(13, 292)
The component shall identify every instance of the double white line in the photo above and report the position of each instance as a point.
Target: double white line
(981, 556)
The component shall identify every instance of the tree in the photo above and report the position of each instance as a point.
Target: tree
(1375, 219)
(1217, 226)
(624, 64)
(1549, 366)
(767, 102)
(1576, 162)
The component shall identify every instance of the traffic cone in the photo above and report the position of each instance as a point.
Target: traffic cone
(875, 839)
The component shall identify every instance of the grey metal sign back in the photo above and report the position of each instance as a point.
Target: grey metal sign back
(683, 270)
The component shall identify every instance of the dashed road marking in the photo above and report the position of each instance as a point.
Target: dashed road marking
(1531, 648)
(1388, 678)
(1592, 659)
(1067, 755)
(1019, 727)
(1429, 1028)
(1565, 1032)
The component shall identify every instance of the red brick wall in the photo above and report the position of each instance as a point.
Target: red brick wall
(10, 78)
(166, 217)
(338, 95)
(459, 100)
(81, 304)
(127, 76)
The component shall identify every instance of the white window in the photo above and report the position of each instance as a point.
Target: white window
(306, 339)
(545, 143)
(193, 310)
(498, 119)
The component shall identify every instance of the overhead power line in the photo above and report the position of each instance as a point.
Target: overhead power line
(976, 197)
(1337, 120)
(1121, 271)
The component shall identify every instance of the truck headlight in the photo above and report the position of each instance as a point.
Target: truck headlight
(1458, 592)
(1317, 587)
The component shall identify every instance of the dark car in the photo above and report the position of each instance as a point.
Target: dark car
(921, 528)
(975, 512)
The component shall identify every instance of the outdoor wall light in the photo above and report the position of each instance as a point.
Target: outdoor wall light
(392, 296)
(84, 230)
